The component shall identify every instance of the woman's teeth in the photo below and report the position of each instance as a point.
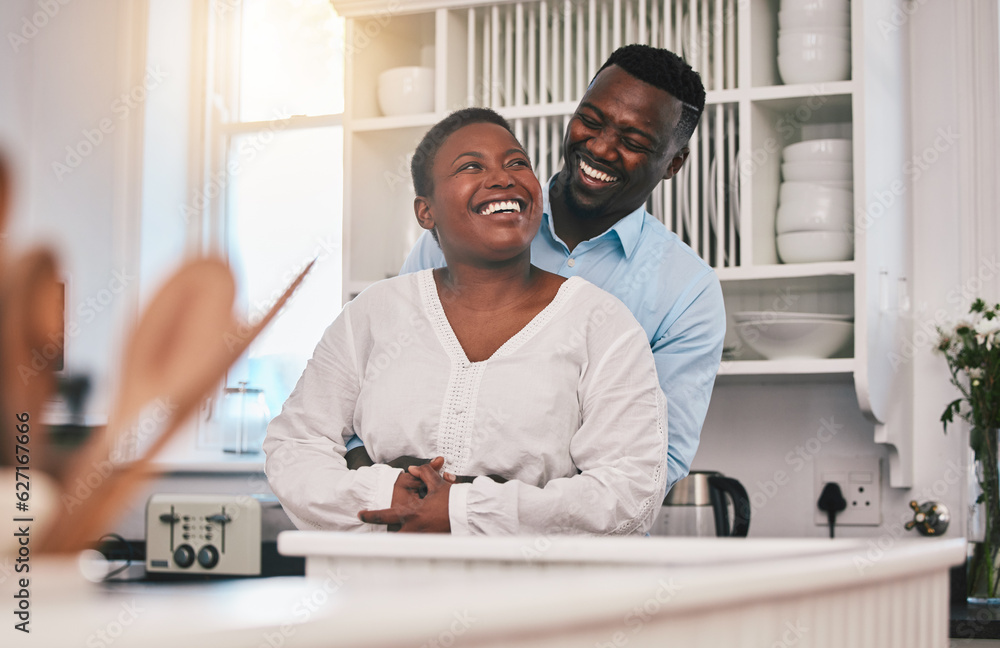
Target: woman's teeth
(595, 174)
(501, 206)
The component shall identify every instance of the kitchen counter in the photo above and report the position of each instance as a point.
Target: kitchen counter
(392, 590)
(980, 620)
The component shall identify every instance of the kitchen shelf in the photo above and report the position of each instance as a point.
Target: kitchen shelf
(531, 61)
(785, 271)
(209, 467)
(713, 97)
(559, 109)
(792, 368)
(423, 120)
(800, 91)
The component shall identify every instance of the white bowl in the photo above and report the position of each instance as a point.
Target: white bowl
(814, 65)
(815, 247)
(809, 171)
(813, 18)
(796, 339)
(839, 32)
(813, 193)
(844, 185)
(813, 216)
(820, 150)
(799, 191)
(775, 315)
(795, 42)
(406, 91)
(800, 6)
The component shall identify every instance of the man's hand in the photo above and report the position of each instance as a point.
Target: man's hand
(412, 514)
(406, 461)
(358, 458)
(468, 479)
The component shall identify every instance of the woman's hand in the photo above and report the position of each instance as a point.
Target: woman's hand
(406, 492)
(409, 513)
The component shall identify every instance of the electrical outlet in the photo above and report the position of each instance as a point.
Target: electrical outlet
(860, 480)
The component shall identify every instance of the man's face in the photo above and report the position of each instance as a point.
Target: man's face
(618, 145)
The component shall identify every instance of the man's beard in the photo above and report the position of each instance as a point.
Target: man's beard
(561, 188)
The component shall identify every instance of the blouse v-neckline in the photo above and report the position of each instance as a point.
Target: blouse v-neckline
(446, 334)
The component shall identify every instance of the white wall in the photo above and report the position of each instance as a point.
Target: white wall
(64, 83)
(64, 80)
(15, 106)
(167, 141)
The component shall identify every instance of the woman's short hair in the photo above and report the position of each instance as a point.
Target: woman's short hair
(665, 70)
(427, 149)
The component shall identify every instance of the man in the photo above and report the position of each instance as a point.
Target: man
(629, 132)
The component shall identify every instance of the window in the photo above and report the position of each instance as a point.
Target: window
(273, 181)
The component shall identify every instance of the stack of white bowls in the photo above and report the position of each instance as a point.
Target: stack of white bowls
(815, 202)
(814, 41)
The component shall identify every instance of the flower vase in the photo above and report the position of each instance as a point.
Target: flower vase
(983, 577)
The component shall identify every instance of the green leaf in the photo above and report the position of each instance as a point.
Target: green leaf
(948, 416)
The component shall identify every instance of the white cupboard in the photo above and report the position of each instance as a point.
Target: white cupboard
(531, 61)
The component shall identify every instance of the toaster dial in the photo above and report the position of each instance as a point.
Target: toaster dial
(184, 556)
(208, 557)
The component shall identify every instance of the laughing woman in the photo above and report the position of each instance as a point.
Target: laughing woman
(490, 365)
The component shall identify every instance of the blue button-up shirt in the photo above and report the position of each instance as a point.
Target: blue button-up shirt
(671, 291)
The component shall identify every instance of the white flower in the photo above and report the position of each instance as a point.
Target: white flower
(952, 330)
(984, 327)
(974, 372)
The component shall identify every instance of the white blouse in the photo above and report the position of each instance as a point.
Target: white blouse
(569, 410)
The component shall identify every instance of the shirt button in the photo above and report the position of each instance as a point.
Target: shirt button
(571, 262)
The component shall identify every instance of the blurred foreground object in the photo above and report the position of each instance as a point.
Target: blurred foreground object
(180, 348)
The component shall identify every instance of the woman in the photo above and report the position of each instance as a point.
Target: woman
(490, 365)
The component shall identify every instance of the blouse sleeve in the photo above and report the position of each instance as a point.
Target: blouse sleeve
(305, 443)
(620, 450)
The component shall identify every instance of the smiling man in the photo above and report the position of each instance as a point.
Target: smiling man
(629, 132)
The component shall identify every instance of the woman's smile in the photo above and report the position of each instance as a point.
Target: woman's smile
(501, 207)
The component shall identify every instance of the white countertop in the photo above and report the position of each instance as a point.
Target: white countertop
(396, 590)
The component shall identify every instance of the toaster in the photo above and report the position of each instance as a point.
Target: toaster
(203, 534)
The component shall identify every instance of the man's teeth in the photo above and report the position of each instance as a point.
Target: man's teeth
(503, 205)
(594, 173)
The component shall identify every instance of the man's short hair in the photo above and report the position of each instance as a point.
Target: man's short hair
(423, 158)
(665, 70)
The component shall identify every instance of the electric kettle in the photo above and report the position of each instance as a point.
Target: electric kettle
(697, 506)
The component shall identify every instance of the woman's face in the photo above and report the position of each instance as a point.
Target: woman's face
(486, 203)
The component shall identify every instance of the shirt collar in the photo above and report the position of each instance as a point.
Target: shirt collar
(628, 230)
